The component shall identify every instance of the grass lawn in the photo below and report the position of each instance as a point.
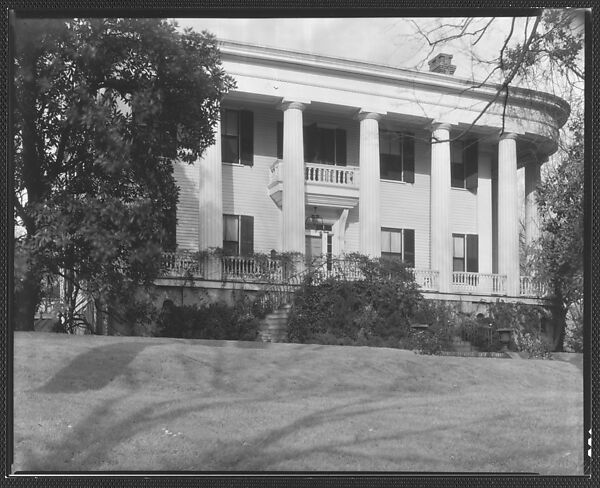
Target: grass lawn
(130, 403)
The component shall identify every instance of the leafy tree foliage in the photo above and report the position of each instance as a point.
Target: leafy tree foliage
(102, 109)
(558, 257)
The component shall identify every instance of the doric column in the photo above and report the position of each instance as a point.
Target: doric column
(368, 203)
(484, 210)
(210, 195)
(508, 213)
(292, 205)
(441, 238)
(532, 180)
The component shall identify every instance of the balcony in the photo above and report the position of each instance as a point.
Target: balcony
(325, 185)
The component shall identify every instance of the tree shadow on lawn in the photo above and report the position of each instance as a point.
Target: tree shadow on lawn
(95, 368)
(91, 442)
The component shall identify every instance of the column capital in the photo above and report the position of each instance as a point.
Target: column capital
(292, 104)
(508, 135)
(436, 125)
(366, 114)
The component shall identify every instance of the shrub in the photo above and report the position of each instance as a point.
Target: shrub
(376, 310)
(215, 321)
(525, 321)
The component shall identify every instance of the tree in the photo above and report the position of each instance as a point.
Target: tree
(103, 107)
(544, 52)
(558, 254)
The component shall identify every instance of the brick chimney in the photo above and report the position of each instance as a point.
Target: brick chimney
(442, 64)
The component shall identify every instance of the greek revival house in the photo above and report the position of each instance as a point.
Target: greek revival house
(325, 157)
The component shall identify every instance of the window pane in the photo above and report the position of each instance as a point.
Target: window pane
(459, 246)
(230, 228)
(385, 241)
(396, 242)
(391, 167)
(230, 149)
(456, 151)
(457, 175)
(230, 124)
(458, 264)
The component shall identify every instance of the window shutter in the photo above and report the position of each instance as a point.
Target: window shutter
(310, 142)
(247, 137)
(471, 160)
(408, 157)
(279, 140)
(472, 253)
(246, 235)
(409, 247)
(340, 147)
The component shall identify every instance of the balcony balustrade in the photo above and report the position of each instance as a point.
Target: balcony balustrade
(326, 185)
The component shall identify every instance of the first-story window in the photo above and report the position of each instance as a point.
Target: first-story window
(465, 253)
(399, 243)
(238, 235)
(237, 136)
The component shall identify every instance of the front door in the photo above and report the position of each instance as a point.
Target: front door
(314, 248)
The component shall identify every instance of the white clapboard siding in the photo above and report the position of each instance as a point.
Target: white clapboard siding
(186, 177)
(463, 211)
(245, 188)
(406, 205)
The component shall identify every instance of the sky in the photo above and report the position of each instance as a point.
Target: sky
(388, 41)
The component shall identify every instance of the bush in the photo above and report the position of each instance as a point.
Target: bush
(525, 322)
(215, 321)
(376, 310)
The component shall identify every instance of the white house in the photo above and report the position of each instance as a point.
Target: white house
(393, 161)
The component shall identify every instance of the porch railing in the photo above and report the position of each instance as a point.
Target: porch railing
(334, 175)
(183, 263)
(252, 268)
(427, 279)
(465, 282)
(529, 287)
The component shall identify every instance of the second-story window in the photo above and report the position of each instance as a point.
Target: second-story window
(324, 145)
(237, 136)
(397, 156)
(464, 160)
(399, 243)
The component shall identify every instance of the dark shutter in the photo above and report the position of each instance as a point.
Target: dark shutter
(279, 140)
(471, 156)
(409, 247)
(408, 157)
(246, 235)
(247, 137)
(472, 253)
(311, 142)
(340, 147)
(326, 146)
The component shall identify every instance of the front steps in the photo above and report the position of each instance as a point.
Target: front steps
(274, 326)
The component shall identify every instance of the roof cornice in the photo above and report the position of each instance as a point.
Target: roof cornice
(547, 102)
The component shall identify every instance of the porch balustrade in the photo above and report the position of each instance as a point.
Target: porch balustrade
(188, 264)
(427, 279)
(529, 287)
(465, 282)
